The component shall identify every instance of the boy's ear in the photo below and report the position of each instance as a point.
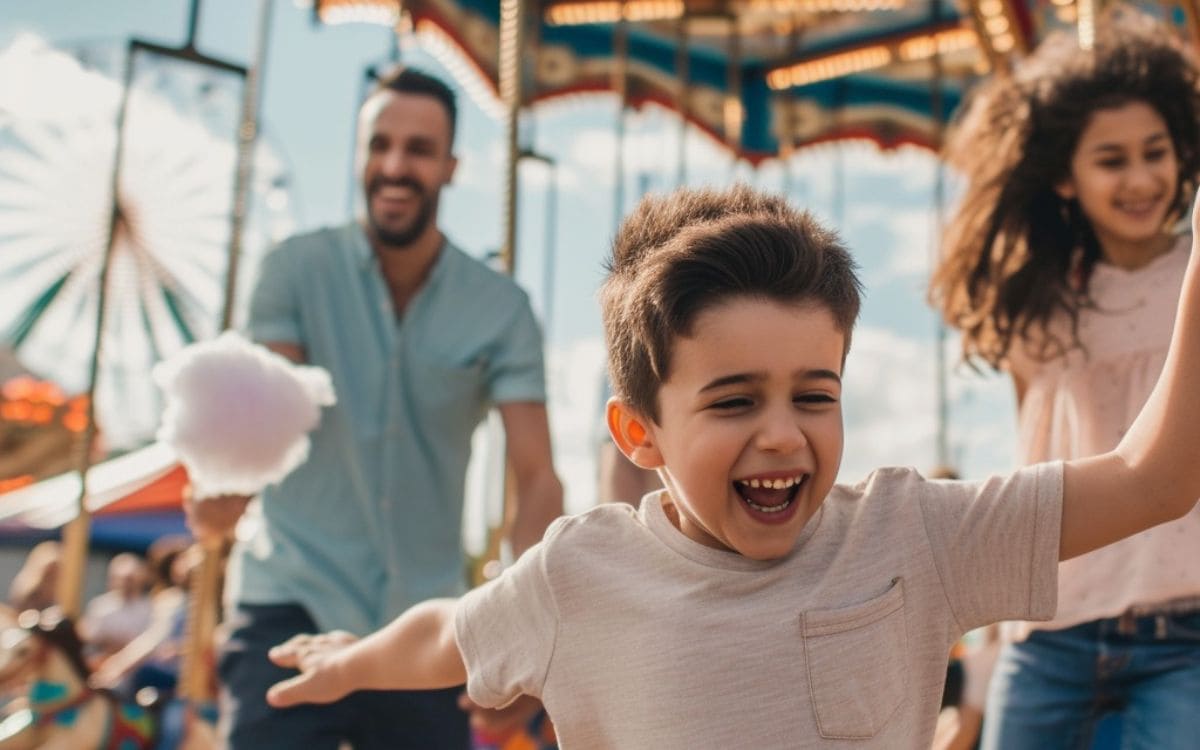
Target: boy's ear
(629, 432)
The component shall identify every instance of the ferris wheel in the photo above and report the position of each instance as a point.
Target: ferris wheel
(171, 222)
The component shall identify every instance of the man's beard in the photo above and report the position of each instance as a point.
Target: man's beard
(427, 207)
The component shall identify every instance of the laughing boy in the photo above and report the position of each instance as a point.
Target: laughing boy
(753, 603)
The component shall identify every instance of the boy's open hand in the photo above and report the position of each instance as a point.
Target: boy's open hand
(321, 678)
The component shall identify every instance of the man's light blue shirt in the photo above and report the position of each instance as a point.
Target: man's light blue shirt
(371, 523)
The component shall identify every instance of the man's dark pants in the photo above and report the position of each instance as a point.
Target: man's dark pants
(368, 720)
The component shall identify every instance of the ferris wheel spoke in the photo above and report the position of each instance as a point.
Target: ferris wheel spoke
(169, 258)
(28, 295)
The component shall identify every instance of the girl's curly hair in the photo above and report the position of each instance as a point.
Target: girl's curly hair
(1016, 254)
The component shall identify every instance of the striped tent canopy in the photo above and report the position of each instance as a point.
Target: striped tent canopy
(763, 77)
(134, 499)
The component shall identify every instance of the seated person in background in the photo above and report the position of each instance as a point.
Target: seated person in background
(152, 658)
(754, 603)
(113, 619)
(33, 587)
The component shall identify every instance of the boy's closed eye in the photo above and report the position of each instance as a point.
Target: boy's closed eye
(729, 404)
(816, 399)
(745, 402)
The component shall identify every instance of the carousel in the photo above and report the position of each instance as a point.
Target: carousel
(91, 300)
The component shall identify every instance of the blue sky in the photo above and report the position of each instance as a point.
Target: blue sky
(313, 82)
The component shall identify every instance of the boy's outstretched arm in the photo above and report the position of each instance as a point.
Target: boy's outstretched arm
(416, 651)
(1153, 476)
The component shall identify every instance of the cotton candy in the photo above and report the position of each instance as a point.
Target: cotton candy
(238, 414)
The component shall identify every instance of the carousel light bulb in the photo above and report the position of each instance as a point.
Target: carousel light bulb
(996, 25)
(381, 12)
(991, 8)
(825, 6)
(920, 48)
(830, 66)
(608, 11)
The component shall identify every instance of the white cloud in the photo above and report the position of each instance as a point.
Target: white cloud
(480, 168)
(650, 149)
(890, 401)
(912, 252)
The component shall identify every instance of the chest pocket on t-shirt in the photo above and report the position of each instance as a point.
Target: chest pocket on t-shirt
(855, 658)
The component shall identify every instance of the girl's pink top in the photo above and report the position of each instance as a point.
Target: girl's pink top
(1080, 405)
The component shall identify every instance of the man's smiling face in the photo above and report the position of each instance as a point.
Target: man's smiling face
(405, 160)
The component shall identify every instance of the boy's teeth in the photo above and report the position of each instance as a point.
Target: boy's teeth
(771, 484)
(763, 495)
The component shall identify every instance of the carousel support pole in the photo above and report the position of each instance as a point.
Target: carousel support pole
(403, 24)
(734, 113)
(512, 42)
(247, 138)
(787, 124)
(195, 683)
(683, 92)
(938, 108)
(1086, 23)
(620, 85)
(550, 237)
(77, 532)
(551, 247)
(785, 148)
(1191, 14)
(512, 79)
(370, 77)
(839, 164)
(193, 25)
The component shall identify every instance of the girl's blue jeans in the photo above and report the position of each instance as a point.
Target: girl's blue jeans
(1051, 690)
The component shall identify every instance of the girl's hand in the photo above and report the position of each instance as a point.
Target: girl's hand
(322, 678)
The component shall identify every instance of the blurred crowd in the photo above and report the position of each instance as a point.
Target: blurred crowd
(133, 631)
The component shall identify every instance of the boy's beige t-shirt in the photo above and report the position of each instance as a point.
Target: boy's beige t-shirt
(634, 636)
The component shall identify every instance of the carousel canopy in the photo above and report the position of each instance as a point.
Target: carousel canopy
(134, 499)
(761, 76)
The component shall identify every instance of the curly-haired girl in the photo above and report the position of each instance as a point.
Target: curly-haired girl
(1061, 267)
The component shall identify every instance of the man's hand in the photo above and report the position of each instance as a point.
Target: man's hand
(213, 519)
(322, 678)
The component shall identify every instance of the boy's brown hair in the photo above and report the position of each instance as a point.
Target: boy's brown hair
(680, 254)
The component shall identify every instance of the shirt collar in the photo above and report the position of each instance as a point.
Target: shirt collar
(365, 256)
